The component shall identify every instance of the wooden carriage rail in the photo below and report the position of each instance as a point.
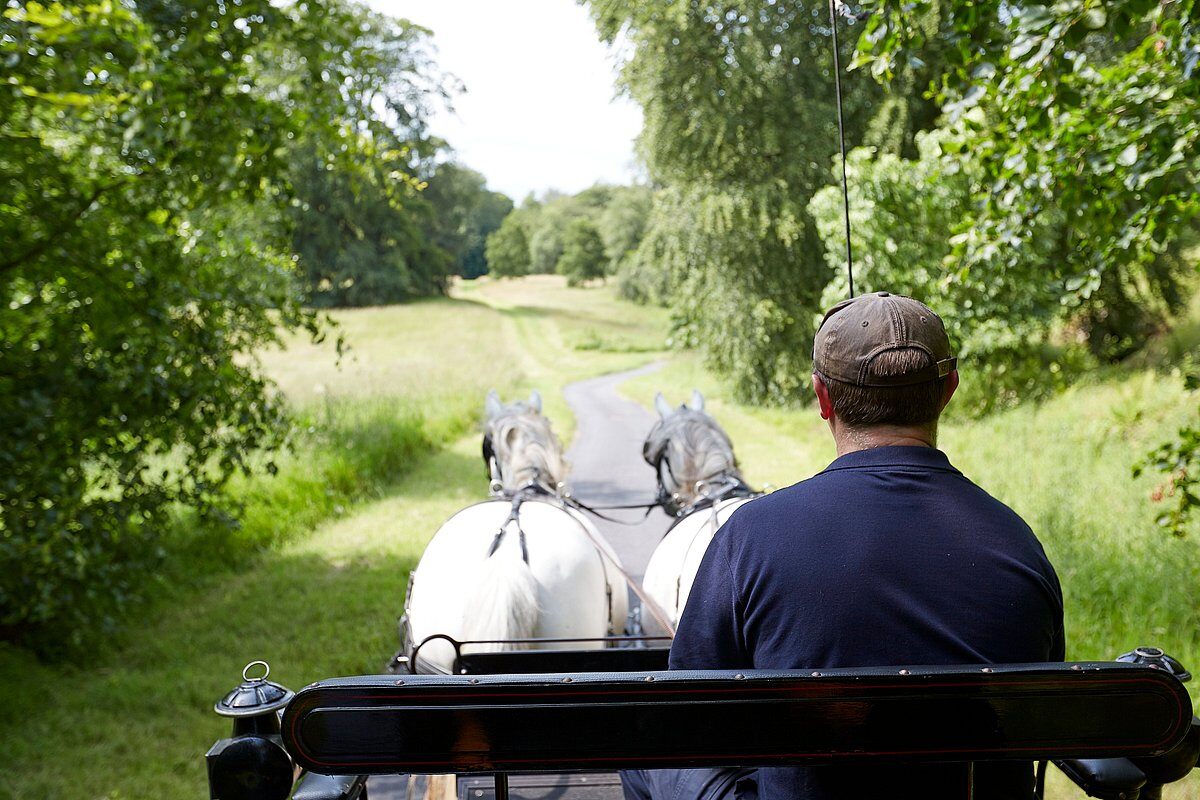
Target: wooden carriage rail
(565, 722)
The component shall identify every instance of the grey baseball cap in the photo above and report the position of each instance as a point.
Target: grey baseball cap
(857, 330)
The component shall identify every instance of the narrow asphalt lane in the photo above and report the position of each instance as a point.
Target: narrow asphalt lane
(607, 466)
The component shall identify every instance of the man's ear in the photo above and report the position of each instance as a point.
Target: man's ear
(822, 392)
(951, 386)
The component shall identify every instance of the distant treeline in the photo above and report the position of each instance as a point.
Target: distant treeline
(585, 236)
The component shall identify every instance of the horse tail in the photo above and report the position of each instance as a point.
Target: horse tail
(503, 600)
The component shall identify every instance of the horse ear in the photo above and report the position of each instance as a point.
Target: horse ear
(662, 406)
(492, 405)
(535, 400)
(697, 401)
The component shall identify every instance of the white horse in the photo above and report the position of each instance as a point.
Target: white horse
(699, 483)
(523, 565)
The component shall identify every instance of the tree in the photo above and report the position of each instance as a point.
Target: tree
(583, 257)
(740, 123)
(362, 226)
(622, 222)
(463, 213)
(546, 241)
(144, 210)
(488, 215)
(508, 248)
(1081, 119)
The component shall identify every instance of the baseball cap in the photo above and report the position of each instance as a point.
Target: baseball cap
(857, 330)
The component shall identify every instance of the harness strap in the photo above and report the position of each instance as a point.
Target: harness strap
(648, 603)
(594, 510)
(513, 516)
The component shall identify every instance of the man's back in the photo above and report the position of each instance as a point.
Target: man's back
(888, 557)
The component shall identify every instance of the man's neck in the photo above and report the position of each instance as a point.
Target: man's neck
(850, 440)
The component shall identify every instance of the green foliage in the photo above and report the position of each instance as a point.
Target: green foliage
(1000, 322)
(145, 152)
(617, 213)
(622, 223)
(1080, 124)
(583, 257)
(508, 248)
(1179, 461)
(740, 122)
(356, 245)
(1080, 120)
(546, 243)
(358, 220)
(463, 214)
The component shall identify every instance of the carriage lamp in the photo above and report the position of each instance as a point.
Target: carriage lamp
(251, 764)
(1155, 657)
(1176, 764)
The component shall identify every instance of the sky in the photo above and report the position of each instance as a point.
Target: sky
(540, 109)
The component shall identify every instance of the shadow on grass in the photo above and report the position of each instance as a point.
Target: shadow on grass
(138, 726)
(135, 719)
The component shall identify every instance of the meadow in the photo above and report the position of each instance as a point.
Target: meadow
(389, 448)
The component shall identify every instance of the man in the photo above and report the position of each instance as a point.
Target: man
(888, 557)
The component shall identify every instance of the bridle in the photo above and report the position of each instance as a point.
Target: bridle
(710, 490)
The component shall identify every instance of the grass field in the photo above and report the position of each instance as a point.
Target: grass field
(393, 451)
(388, 452)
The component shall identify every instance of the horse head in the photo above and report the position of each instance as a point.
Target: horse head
(519, 446)
(691, 454)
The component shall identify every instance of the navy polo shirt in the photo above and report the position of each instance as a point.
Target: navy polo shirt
(888, 557)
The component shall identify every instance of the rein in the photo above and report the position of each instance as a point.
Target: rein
(538, 491)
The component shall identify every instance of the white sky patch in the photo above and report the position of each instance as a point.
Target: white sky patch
(540, 109)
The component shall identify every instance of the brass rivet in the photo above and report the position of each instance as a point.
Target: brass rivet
(566, 680)
(816, 674)
(905, 672)
(649, 678)
(474, 680)
(1076, 667)
(399, 683)
(739, 677)
(987, 669)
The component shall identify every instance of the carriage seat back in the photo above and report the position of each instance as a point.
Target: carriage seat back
(566, 722)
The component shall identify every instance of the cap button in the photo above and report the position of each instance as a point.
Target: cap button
(885, 294)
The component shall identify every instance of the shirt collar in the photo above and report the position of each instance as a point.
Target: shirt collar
(918, 457)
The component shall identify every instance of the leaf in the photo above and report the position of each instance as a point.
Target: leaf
(1094, 18)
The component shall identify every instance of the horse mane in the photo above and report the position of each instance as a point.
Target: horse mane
(526, 448)
(696, 449)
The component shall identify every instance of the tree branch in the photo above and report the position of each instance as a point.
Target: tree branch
(41, 246)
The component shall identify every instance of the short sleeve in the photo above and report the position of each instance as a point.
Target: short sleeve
(709, 634)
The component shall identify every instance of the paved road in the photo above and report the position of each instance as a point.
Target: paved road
(607, 466)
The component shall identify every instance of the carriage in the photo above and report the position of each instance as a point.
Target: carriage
(541, 716)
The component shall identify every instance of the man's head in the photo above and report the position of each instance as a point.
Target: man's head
(882, 370)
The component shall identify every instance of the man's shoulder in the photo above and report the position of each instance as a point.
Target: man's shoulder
(789, 505)
(786, 500)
